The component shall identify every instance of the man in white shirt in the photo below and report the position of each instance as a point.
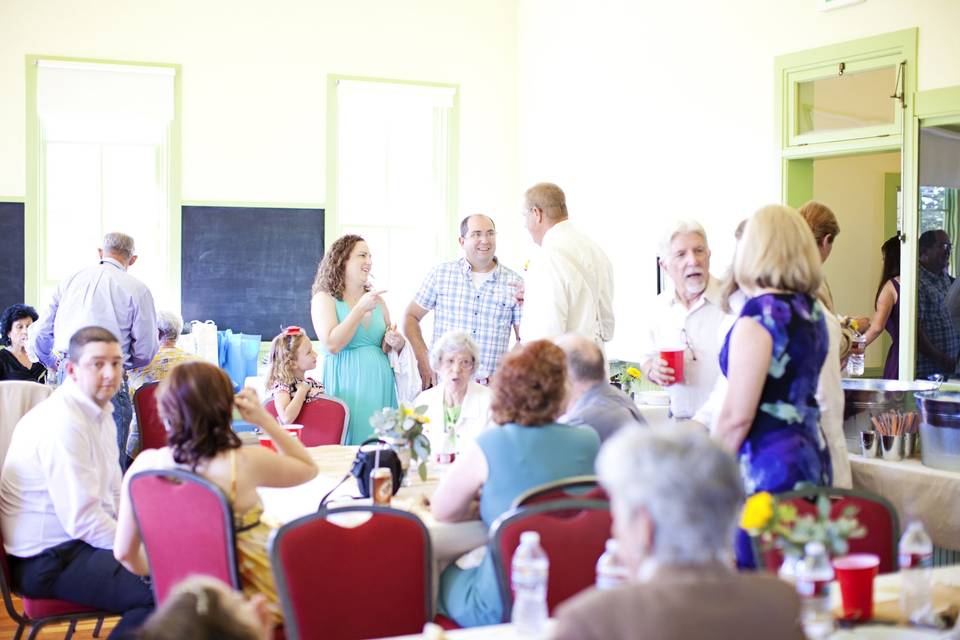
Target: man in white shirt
(104, 295)
(60, 490)
(687, 316)
(569, 284)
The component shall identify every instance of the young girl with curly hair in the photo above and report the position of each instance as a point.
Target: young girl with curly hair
(291, 356)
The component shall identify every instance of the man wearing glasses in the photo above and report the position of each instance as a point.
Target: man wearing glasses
(938, 339)
(686, 318)
(475, 294)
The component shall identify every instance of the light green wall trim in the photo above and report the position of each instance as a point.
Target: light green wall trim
(891, 182)
(251, 205)
(331, 218)
(34, 226)
(862, 146)
(937, 102)
(12, 199)
(939, 121)
(798, 186)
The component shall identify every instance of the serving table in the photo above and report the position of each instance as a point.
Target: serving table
(915, 491)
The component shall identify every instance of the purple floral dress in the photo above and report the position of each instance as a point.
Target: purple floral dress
(784, 446)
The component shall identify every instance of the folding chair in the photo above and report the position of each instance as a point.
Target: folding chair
(153, 435)
(572, 488)
(324, 421)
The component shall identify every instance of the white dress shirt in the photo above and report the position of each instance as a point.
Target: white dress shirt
(474, 414)
(103, 295)
(701, 358)
(568, 288)
(60, 478)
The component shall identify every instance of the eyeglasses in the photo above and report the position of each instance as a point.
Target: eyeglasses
(476, 235)
(947, 246)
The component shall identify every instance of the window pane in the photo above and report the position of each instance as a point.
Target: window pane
(850, 101)
(72, 201)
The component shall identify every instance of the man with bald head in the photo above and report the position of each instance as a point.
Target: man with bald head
(569, 285)
(592, 401)
(475, 294)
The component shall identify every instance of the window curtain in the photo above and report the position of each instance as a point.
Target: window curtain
(951, 220)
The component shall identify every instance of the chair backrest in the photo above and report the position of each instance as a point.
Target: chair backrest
(153, 435)
(572, 488)
(367, 581)
(17, 397)
(186, 524)
(572, 532)
(324, 421)
(874, 512)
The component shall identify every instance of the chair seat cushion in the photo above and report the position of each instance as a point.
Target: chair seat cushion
(44, 607)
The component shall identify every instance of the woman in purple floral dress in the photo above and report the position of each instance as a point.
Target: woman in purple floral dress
(772, 359)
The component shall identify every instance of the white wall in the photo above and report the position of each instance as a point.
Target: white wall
(641, 110)
(254, 81)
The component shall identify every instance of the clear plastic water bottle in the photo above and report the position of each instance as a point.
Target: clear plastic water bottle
(611, 572)
(916, 558)
(814, 575)
(529, 580)
(858, 345)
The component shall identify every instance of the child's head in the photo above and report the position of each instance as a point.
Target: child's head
(291, 354)
(204, 608)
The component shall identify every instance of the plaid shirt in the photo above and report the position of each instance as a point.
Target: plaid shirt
(935, 322)
(486, 315)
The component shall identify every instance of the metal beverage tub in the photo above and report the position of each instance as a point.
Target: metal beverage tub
(939, 429)
(865, 398)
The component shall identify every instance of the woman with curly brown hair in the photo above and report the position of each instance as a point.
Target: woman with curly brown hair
(353, 326)
(529, 449)
(196, 402)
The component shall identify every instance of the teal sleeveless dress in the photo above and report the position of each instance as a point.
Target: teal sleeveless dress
(519, 458)
(360, 374)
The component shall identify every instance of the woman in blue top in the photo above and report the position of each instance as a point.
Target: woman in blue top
(353, 326)
(529, 449)
(772, 357)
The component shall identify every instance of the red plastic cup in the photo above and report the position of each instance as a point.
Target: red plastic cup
(855, 574)
(293, 429)
(674, 358)
(266, 441)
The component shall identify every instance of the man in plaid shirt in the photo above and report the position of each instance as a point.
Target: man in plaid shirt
(475, 294)
(938, 339)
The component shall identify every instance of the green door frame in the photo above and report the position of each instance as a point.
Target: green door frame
(796, 175)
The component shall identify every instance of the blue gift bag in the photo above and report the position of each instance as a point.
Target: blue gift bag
(238, 355)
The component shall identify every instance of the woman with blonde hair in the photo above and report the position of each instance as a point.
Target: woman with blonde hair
(772, 357)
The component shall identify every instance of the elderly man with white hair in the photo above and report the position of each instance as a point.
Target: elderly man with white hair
(458, 407)
(676, 497)
(687, 318)
(169, 326)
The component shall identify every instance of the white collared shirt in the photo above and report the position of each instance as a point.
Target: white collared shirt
(61, 480)
(701, 322)
(569, 288)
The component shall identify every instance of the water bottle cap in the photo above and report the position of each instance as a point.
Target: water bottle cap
(529, 537)
(612, 545)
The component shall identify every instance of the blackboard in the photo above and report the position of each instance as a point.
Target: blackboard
(250, 269)
(11, 254)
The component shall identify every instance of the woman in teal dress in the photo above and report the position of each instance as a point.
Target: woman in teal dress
(353, 326)
(529, 449)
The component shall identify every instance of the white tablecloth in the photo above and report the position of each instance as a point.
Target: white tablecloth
(915, 491)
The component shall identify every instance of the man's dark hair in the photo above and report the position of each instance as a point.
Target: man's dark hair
(85, 336)
(929, 238)
(465, 223)
(586, 363)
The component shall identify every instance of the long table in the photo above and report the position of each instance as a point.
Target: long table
(449, 540)
(915, 491)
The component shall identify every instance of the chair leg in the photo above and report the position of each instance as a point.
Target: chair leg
(70, 630)
(96, 629)
(19, 632)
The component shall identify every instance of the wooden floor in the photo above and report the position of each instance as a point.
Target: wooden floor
(53, 632)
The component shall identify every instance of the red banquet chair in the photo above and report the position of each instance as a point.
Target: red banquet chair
(874, 512)
(572, 488)
(186, 524)
(324, 421)
(368, 581)
(153, 435)
(572, 532)
(40, 612)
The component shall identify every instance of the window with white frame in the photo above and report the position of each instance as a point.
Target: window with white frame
(393, 177)
(105, 165)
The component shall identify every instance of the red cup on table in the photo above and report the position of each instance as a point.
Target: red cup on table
(293, 429)
(674, 358)
(855, 574)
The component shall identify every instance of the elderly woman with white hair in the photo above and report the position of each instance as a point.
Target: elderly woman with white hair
(675, 497)
(458, 407)
(169, 326)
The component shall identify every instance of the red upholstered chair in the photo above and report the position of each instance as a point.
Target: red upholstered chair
(572, 532)
(186, 524)
(874, 512)
(153, 435)
(572, 488)
(39, 612)
(324, 421)
(368, 581)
